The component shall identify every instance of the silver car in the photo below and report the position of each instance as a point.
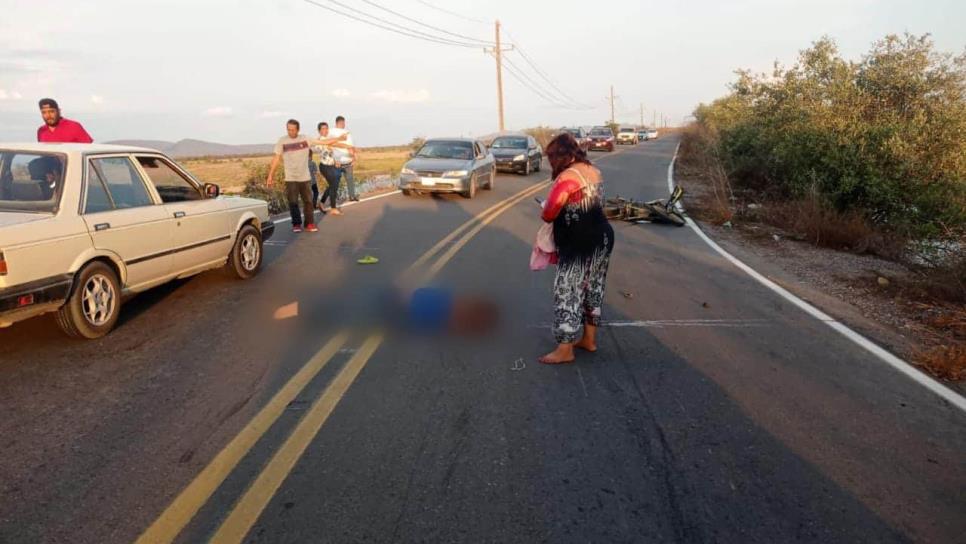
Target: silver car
(449, 165)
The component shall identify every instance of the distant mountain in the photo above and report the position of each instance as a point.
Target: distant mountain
(198, 148)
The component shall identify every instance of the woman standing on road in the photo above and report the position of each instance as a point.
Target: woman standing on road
(584, 241)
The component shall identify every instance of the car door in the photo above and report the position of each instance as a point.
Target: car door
(483, 164)
(123, 218)
(201, 233)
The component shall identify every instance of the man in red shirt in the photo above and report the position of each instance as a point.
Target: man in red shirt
(59, 129)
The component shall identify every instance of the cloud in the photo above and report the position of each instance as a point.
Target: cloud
(341, 93)
(218, 111)
(271, 114)
(11, 95)
(401, 96)
(97, 99)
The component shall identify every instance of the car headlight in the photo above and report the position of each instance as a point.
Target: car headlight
(520, 157)
(455, 174)
(407, 171)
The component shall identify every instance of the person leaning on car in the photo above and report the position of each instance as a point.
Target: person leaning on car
(57, 129)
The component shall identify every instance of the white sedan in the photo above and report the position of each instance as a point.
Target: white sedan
(82, 225)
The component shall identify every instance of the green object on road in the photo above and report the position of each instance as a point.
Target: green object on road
(368, 259)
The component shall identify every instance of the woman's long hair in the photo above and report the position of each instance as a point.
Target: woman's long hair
(563, 152)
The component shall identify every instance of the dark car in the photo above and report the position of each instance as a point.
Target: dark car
(519, 154)
(601, 139)
(580, 135)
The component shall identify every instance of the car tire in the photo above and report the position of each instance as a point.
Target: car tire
(472, 192)
(246, 255)
(92, 308)
(492, 180)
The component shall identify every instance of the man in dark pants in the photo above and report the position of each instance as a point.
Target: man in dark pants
(345, 156)
(293, 150)
(329, 171)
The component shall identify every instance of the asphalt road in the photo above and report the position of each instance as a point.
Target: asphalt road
(715, 411)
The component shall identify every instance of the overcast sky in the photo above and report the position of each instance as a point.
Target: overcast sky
(233, 71)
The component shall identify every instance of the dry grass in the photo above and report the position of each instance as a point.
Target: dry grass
(231, 173)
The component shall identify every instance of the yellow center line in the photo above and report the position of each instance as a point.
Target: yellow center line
(253, 502)
(193, 497)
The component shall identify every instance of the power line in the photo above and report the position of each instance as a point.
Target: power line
(513, 70)
(390, 26)
(542, 74)
(453, 13)
(418, 22)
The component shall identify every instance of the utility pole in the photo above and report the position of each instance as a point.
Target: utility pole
(654, 121)
(612, 104)
(642, 114)
(498, 55)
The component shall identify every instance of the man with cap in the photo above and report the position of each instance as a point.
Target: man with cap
(59, 129)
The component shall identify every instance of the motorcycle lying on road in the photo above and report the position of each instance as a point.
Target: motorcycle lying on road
(654, 211)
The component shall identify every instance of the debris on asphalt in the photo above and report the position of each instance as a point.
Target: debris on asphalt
(883, 282)
(726, 224)
(776, 237)
(627, 294)
(287, 311)
(705, 305)
(368, 259)
(519, 364)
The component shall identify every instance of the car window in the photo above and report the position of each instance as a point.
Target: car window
(97, 197)
(446, 149)
(123, 182)
(509, 143)
(170, 184)
(30, 182)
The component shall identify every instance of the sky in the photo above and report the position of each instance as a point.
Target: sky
(233, 71)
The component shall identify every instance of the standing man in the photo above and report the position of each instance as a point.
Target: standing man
(293, 150)
(329, 171)
(345, 155)
(57, 129)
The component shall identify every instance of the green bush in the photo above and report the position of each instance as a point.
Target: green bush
(884, 136)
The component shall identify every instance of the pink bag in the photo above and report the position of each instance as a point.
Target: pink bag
(544, 250)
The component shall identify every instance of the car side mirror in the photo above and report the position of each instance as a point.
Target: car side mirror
(212, 190)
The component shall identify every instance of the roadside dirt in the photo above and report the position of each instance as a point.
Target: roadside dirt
(874, 296)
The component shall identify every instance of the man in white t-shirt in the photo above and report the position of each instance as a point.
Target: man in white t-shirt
(344, 153)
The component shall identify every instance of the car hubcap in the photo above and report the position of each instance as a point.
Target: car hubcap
(249, 252)
(99, 300)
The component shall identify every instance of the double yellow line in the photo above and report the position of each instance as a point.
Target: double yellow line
(247, 510)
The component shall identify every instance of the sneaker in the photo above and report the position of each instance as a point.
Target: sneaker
(311, 227)
(296, 228)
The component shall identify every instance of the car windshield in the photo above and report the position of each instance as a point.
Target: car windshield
(509, 143)
(30, 181)
(446, 149)
(627, 130)
(600, 132)
(574, 131)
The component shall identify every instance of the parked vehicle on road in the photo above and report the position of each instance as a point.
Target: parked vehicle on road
(519, 154)
(449, 165)
(579, 134)
(652, 134)
(83, 225)
(627, 136)
(601, 139)
(642, 135)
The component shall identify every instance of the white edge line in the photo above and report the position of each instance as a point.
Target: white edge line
(885, 356)
(347, 204)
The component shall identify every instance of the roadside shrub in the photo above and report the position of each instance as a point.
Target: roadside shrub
(883, 139)
(542, 135)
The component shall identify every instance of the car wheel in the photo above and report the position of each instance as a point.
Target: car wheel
(246, 254)
(472, 191)
(489, 184)
(92, 309)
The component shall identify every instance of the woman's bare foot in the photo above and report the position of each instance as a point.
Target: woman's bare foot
(335, 211)
(589, 340)
(563, 354)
